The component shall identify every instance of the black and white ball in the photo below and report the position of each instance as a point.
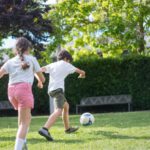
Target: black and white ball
(87, 119)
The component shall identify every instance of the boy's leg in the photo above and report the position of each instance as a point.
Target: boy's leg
(24, 119)
(65, 116)
(58, 103)
(51, 120)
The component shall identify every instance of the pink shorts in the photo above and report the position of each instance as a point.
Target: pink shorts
(20, 95)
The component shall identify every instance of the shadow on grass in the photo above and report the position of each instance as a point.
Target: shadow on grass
(66, 141)
(39, 140)
(10, 138)
(115, 135)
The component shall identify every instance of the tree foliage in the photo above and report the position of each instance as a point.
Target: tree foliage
(25, 18)
(109, 25)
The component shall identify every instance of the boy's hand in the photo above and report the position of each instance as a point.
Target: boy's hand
(40, 85)
(43, 69)
(81, 76)
(81, 73)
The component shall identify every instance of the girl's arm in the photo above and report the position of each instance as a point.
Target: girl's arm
(2, 73)
(41, 79)
(80, 72)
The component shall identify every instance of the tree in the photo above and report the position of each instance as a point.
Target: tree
(25, 18)
(110, 25)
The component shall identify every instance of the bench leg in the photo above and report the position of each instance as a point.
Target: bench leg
(129, 107)
(76, 109)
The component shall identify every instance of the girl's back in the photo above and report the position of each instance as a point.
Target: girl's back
(17, 74)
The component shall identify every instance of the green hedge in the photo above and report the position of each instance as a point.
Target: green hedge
(112, 77)
(103, 77)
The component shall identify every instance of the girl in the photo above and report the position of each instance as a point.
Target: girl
(21, 70)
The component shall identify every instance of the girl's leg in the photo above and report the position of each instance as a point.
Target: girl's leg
(65, 116)
(24, 119)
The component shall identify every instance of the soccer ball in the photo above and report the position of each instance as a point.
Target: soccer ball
(87, 119)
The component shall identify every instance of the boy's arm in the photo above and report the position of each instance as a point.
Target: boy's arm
(43, 69)
(80, 72)
(2, 72)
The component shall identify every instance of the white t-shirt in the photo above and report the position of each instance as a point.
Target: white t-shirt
(58, 71)
(17, 74)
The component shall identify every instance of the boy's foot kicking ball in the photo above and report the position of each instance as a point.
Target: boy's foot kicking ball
(44, 132)
(71, 130)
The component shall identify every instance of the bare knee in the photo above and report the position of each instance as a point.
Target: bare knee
(66, 106)
(58, 111)
(24, 117)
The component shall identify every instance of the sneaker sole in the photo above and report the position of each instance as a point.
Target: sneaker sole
(47, 137)
(72, 131)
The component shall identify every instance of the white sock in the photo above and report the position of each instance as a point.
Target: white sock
(25, 140)
(19, 144)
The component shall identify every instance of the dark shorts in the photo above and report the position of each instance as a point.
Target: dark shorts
(59, 98)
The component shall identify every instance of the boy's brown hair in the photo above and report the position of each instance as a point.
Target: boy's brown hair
(64, 54)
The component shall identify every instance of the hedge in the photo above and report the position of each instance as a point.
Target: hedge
(109, 76)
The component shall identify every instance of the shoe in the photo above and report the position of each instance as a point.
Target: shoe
(46, 134)
(25, 146)
(71, 130)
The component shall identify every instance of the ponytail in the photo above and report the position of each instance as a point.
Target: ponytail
(22, 46)
(24, 64)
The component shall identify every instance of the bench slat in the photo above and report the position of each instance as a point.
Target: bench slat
(114, 99)
(105, 100)
(5, 105)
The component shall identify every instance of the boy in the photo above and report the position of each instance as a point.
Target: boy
(58, 71)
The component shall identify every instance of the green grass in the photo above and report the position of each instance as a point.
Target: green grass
(111, 131)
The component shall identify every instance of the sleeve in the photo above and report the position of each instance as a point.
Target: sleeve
(48, 68)
(6, 67)
(36, 66)
(71, 69)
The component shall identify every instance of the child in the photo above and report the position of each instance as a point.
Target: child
(58, 71)
(21, 70)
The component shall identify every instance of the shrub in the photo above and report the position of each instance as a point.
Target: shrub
(108, 76)
(112, 77)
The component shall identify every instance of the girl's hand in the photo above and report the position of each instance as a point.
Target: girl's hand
(40, 85)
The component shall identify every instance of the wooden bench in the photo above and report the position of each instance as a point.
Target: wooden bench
(105, 100)
(5, 105)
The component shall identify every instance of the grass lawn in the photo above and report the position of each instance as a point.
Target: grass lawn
(111, 131)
